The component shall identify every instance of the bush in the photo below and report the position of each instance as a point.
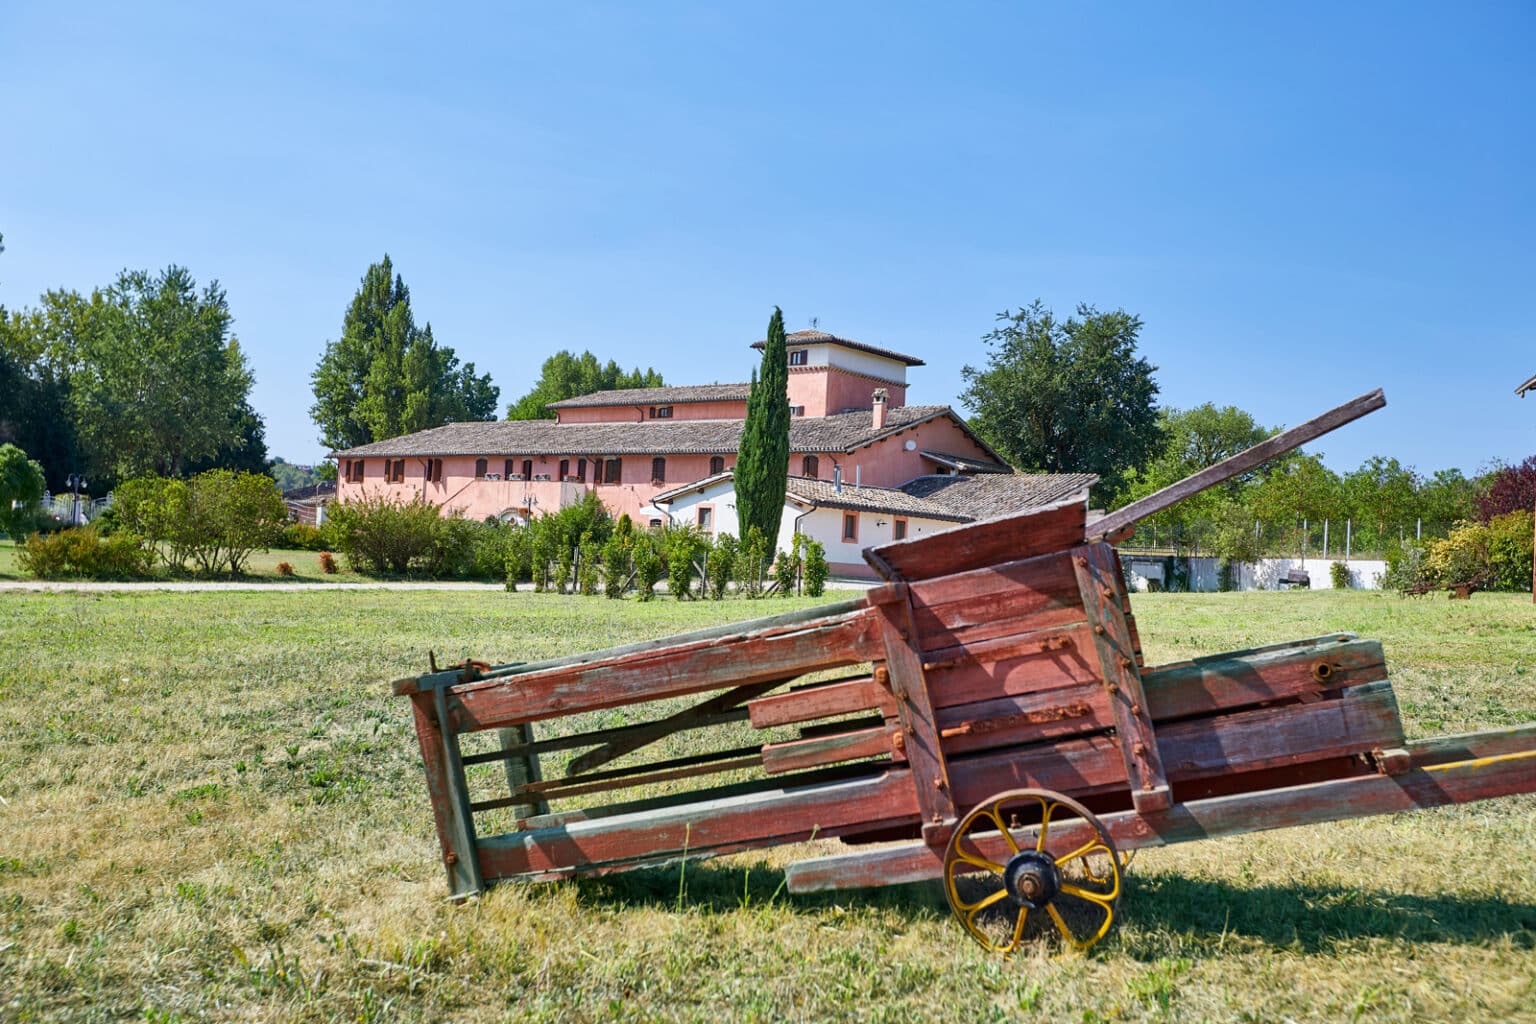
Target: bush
(1406, 568)
(719, 564)
(816, 569)
(751, 559)
(328, 563)
(615, 565)
(303, 537)
(1340, 576)
(379, 536)
(83, 553)
(216, 519)
(1510, 549)
(1498, 553)
(681, 545)
(589, 564)
(647, 566)
(284, 569)
(786, 569)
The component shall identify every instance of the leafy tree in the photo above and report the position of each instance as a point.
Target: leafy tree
(290, 477)
(1512, 489)
(1382, 492)
(762, 467)
(385, 376)
(1299, 487)
(21, 489)
(1067, 396)
(566, 375)
(1447, 497)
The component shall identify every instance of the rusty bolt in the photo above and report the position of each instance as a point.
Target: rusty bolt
(1127, 664)
(1112, 687)
(1098, 630)
(451, 859)
(938, 783)
(1081, 561)
(1136, 709)
(1139, 749)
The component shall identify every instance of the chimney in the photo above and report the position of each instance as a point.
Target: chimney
(880, 408)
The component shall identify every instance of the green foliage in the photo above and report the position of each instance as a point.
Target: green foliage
(751, 561)
(303, 537)
(762, 466)
(1407, 570)
(648, 566)
(21, 490)
(786, 568)
(542, 548)
(1067, 397)
(84, 553)
(616, 561)
(292, 478)
(681, 545)
(379, 535)
(565, 375)
(589, 567)
(1497, 552)
(719, 565)
(565, 565)
(1509, 489)
(385, 376)
(216, 520)
(1340, 576)
(143, 376)
(816, 568)
(1510, 549)
(1299, 488)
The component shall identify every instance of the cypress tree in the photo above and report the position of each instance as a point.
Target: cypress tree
(762, 466)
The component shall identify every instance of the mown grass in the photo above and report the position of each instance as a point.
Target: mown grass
(213, 810)
(260, 568)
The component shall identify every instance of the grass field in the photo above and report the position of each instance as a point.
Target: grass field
(261, 567)
(212, 810)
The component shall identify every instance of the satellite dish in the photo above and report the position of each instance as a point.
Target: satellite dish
(911, 446)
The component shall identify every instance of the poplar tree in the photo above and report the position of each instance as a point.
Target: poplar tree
(762, 466)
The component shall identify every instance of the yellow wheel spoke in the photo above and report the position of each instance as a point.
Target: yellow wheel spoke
(972, 909)
(1061, 926)
(1045, 823)
(980, 862)
(997, 819)
(1082, 851)
(1105, 900)
(1018, 930)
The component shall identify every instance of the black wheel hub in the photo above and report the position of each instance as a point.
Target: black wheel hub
(1032, 879)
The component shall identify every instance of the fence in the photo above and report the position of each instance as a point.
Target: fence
(70, 509)
(1328, 540)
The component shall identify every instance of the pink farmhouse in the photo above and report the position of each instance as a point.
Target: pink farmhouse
(853, 442)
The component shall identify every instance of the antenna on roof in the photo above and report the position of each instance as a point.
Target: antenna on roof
(815, 323)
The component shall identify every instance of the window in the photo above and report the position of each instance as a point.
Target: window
(716, 465)
(480, 467)
(437, 471)
(851, 527)
(663, 412)
(658, 470)
(581, 470)
(798, 357)
(565, 468)
(527, 469)
(797, 410)
(899, 529)
(507, 470)
(655, 524)
(810, 466)
(613, 470)
(395, 471)
(706, 518)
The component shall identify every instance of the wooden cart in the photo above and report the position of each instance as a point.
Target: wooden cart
(987, 709)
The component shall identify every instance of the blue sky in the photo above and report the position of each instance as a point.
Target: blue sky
(1302, 201)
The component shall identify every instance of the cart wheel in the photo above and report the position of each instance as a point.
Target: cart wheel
(1027, 863)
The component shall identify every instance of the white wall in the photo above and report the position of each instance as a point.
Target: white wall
(826, 525)
(1265, 575)
(722, 496)
(866, 363)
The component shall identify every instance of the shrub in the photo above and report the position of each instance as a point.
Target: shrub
(647, 566)
(751, 556)
(378, 535)
(786, 569)
(1510, 549)
(1406, 568)
(1340, 576)
(21, 490)
(303, 537)
(719, 564)
(284, 569)
(1498, 552)
(589, 564)
(615, 565)
(85, 553)
(816, 569)
(328, 563)
(681, 545)
(216, 519)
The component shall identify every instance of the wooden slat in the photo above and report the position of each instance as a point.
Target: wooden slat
(1025, 663)
(974, 545)
(1024, 718)
(430, 739)
(582, 785)
(1103, 593)
(1217, 684)
(779, 653)
(919, 730)
(1031, 594)
(823, 701)
(751, 821)
(1471, 746)
(794, 755)
(1238, 464)
(650, 732)
(1454, 782)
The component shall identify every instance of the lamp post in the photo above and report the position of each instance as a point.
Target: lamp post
(76, 483)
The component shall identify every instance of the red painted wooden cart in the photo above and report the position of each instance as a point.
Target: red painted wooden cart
(987, 709)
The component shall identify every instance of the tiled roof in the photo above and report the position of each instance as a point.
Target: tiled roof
(844, 432)
(681, 395)
(964, 462)
(989, 495)
(824, 494)
(799, 339)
